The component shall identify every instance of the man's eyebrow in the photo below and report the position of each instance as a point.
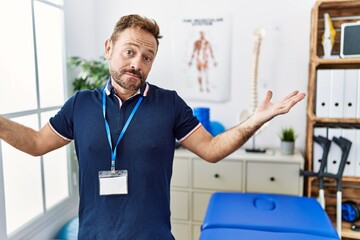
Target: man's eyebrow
(149, 46)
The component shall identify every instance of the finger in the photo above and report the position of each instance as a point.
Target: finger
(291, 102)
(300, 97)
(293, 93)
(268, 96)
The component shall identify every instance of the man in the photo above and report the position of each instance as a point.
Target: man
(132, 125)
(202, 49)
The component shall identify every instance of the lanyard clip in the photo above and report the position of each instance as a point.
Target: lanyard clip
(112, 167)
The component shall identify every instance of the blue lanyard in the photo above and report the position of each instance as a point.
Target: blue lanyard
(113, 152)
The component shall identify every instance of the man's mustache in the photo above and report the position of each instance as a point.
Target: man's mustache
(134, 72)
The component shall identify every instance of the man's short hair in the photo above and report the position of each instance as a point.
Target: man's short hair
(136, 21)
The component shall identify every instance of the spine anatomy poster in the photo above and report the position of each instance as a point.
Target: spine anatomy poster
(201, 58)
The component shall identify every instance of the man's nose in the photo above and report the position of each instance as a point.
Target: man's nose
(136, 63)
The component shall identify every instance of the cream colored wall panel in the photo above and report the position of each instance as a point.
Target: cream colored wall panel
(273, 178)
(179, 205)
(224, 175)
(201, 201)
(181, 174)
(196, 231)
(181, 231)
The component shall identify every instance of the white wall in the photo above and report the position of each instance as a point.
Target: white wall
(80, 28)
(284, 54)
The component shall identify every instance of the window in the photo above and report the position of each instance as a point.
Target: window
(32, 73)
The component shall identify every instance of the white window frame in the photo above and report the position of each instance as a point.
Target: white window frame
(44, 226)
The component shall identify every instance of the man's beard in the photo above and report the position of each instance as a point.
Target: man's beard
(128, 82)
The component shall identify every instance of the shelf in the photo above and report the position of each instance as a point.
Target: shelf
(345, 180)
(351, 179)
(346, 231)
(336, 62)
(339, 122)
(340, 11)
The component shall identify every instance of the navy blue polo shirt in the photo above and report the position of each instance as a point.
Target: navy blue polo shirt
(146, 151)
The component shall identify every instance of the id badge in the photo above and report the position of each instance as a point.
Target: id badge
(113, 184)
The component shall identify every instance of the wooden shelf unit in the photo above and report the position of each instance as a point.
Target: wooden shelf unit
(340, 11)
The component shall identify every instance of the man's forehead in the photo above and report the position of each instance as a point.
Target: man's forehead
(138, 37)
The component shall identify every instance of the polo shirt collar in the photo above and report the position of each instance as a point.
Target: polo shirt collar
(144, 90)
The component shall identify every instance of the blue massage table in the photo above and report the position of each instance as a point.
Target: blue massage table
(257, 216)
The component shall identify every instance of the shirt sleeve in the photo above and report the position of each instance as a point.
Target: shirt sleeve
(62, 123)
(185, 123)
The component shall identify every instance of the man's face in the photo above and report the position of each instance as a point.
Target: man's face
(131, 57)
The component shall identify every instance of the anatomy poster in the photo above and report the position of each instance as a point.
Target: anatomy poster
(201, 58)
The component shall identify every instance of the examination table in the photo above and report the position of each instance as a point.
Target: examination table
(257, 216)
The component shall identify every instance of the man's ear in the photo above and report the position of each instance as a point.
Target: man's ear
(108, 49)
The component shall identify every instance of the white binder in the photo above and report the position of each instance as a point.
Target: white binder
(334, 152)
(358, 96)
(336, 93)
(350, 134)
(317, 148)
(357, 147)
(350, 93)
(322, 103)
